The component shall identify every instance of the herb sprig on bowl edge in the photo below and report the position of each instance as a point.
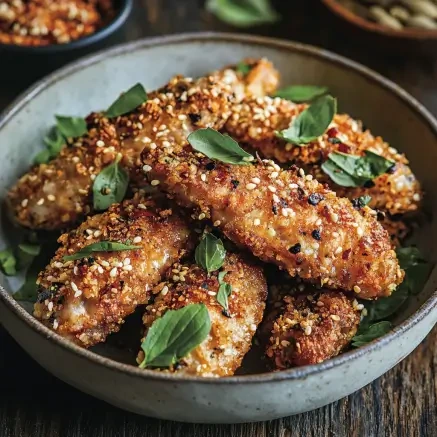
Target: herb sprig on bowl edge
(375, 323)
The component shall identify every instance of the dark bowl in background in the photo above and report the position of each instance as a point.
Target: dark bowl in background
(408, 41)
(23, 65)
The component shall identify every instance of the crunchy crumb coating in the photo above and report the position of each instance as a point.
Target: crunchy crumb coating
(58, 194)
(284, 217)
(231, 333)
(87, 299)
(310, 328)
(255, 121)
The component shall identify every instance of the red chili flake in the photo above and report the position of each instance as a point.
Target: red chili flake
(346, 254)
(333, 132)
(344, 148)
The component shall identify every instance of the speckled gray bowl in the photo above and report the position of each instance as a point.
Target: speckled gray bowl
(92, 83)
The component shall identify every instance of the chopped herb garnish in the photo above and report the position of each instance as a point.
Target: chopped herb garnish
(110, 185)
(71, 127)
(175, 335)
(361, 201)
(243, 13)
(370, 333)
(301, 93)
(220, 147)
(355, 171)
(210, 253)
(13, 260)
(128, 101)
(101, 246)
(311, 123)
(243, 68)
(224, 291)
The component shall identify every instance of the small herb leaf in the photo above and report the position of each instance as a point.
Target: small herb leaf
(311, 123)
(409, 257)
(220, 147)
(101, 246)
(243, 68)
(370, 333)
(301, 93)
(175, 335)
(71, 127)
(354, 171)
(225, 290)
(110, 186)
(8, 262)
(243, 13)
(210, 253)
(128, 101)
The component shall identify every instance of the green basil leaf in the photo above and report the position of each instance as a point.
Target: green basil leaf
(301, 93)
(26, 253)
(42, 157)
(224, 291)
(311, 123)
(362, 201)
(383, 308)
(101, 246)
(54, 142)
(128, 101)
(175, 335)
(354, 171)
(8, 262)
(417, 276)
(409, 256)
(221, 275)
(210, 253)
(217, 146)
(370, 333)
(243, 68)
(71, 127)
(110, 186)
(243, 13)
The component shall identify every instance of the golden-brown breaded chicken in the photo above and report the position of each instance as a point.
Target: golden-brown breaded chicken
(255, 122)
(87, 299)
(57, 194)
(311, 327)
(231, 332)
(283, 217)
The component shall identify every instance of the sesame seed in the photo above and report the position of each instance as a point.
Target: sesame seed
(335, 317)
(203, 177)
(274, 175)
(248, 158)
(100, 269)
(217, 223)
(127, 268)
(272, 188)
(251, 186)
(164, 290)
(256, 180)
(257, 222)
(113, 272)
(40, 201)
(285, 343)
(301, 172)
(137, 239)
(175, 278)
(74, 286)
(78, 293)
(334, 217)
(100, 143)
(97, 233)
(276, 198)
(153, 146)
(338, 250)
(50, 306)
(104, 263)
(51, 197)
(308, 330)
(126, 261)
(55, 324)
(212, 293)
(308, 177)
(146, 168)
(24, 203)
(202, 215)
(292, 186)
(58, 265)
(154, 182)
(271, 232)
(166, 144)
(360, 307)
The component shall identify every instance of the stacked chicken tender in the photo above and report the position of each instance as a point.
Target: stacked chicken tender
(292, 217)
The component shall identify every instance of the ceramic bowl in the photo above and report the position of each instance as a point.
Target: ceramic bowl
(92, 83)
(379, 37)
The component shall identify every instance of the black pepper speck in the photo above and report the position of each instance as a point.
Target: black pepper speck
(295, 249)
(316, 235)
(315, 198)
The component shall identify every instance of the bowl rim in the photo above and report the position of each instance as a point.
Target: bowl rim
(291, 374)
(124, 10)
(406, 33)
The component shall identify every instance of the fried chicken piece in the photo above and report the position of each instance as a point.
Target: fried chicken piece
(87, 299)
(283, 217)
(57, 194)
(311, 327)
(255, 122)
(231, 332)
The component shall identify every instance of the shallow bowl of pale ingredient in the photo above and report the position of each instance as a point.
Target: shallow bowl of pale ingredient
(398, 26)
(91, 83)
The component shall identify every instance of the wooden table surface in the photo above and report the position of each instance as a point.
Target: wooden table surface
(401, 403)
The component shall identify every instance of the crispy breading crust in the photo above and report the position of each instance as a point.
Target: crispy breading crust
(283, 217)
(231, 334)
(87, 299)
(309, 328)
(58, 194)
(255, 122)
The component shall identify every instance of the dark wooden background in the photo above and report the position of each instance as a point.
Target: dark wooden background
(401, 403)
